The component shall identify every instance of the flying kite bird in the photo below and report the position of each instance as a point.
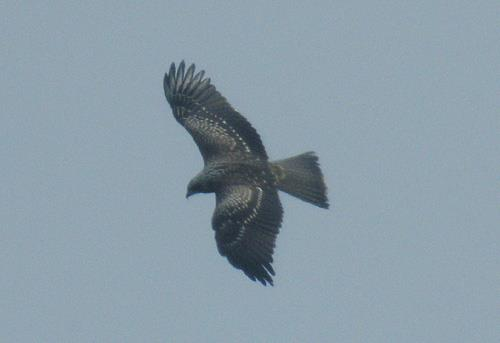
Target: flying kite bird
(248, 210)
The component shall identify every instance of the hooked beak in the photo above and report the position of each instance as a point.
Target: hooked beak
(189, 193)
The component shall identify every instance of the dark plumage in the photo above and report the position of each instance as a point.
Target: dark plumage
(248, 210)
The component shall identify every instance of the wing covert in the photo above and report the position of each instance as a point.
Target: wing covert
(217, 128)
(246, 222)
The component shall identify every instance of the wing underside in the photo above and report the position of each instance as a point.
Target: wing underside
(217, 128)
(246, 222)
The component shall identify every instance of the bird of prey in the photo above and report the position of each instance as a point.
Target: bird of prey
(248, 211)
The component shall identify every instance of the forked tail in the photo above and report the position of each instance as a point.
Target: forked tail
(301, 177)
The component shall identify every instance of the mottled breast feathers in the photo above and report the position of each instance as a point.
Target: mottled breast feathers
(218, 129)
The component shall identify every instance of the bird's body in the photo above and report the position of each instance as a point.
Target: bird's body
(248, 211)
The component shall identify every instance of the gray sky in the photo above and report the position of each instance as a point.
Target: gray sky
(399, 99)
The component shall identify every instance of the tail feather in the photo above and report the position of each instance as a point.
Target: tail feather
(301, 177)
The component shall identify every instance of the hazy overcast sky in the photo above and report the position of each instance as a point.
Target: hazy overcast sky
(399, 99)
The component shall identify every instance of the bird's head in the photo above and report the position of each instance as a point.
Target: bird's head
(209, 180)
(199, 184)
(192, 188)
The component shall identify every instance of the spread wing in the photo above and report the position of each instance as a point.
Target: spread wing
(217, 128)
(246, 222)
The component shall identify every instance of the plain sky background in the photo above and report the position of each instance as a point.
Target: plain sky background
(400, 99)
